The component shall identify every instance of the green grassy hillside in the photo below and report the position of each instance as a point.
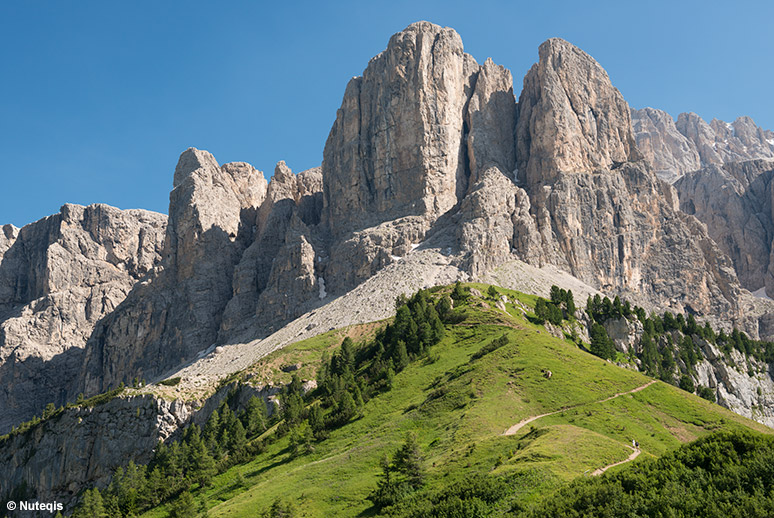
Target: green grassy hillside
(459, 400)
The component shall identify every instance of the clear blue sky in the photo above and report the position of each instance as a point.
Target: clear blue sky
(99, 98)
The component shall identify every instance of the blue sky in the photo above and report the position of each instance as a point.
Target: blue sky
(99, 98)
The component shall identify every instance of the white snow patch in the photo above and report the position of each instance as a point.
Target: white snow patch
(761, 293)
(770, 141)
(396, 258)
(321, 282)
(414, 247)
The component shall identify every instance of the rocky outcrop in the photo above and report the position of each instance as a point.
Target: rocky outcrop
(600, 210)
(278, 273)
(720, 142)
(735, 202)
(670, 152)
(58, 278)
(571, 118)
(397, 146)
(166, 321)
(81, 447)
(675, 149)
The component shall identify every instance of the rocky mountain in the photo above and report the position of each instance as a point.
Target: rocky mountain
(59, 277)
(734, 200)
(600, 211)
(431, 166)
(677, 148)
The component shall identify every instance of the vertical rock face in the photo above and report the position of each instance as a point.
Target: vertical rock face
(670, 152)
(276, 274)
(212, 213)
(491, 121)
(571, 119)
(601, 212)
(58, 277)
(396, 148)
(735, 202)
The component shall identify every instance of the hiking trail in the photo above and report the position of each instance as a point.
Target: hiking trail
(518, 426)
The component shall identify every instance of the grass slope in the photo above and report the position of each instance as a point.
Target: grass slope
(460, 408)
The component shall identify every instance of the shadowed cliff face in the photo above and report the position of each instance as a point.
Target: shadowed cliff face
(735, 202)
(58, 277)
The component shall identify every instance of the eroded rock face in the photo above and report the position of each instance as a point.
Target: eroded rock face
(571, 118)
(719, 142)
(601, 212)
(670, 152)
(83, 446)
(58, 277)
(735, 202)
(212, 213)
(397, 147)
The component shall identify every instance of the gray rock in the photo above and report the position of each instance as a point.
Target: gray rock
(58, 278)
(669, 152)
(735, 202)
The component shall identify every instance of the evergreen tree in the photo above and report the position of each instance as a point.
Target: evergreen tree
(570, 301)
(686, 383)
(601, 344)
(91, 505)
(280, 509)
(255, 416)
(459, 293)
(183, 507)
(649, 354)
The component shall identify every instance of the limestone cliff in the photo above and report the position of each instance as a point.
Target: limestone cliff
(168, 319)
(601, 212)
(670, 152)
(58, 278)
(735, 202)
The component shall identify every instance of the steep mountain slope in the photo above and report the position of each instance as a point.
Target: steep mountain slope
(601, 212)
(735, 202)
(462, 403)
(58, 278)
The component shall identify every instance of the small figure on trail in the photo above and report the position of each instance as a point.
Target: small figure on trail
(634, 443)
(637, 445)
(547, 374)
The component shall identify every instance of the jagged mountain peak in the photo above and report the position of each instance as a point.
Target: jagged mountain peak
(190, 161)
(571, 117)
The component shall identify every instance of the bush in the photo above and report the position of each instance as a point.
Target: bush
(171, 382)
(707, 393)
(686, 383)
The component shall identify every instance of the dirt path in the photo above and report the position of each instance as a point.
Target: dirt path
(518, 426)
(634, 455)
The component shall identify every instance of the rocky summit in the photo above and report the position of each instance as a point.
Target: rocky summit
(431, 172)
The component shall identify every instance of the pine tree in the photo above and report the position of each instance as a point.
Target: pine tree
(601, 344)
(91, 506)
(255, 416)
(183, 507)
